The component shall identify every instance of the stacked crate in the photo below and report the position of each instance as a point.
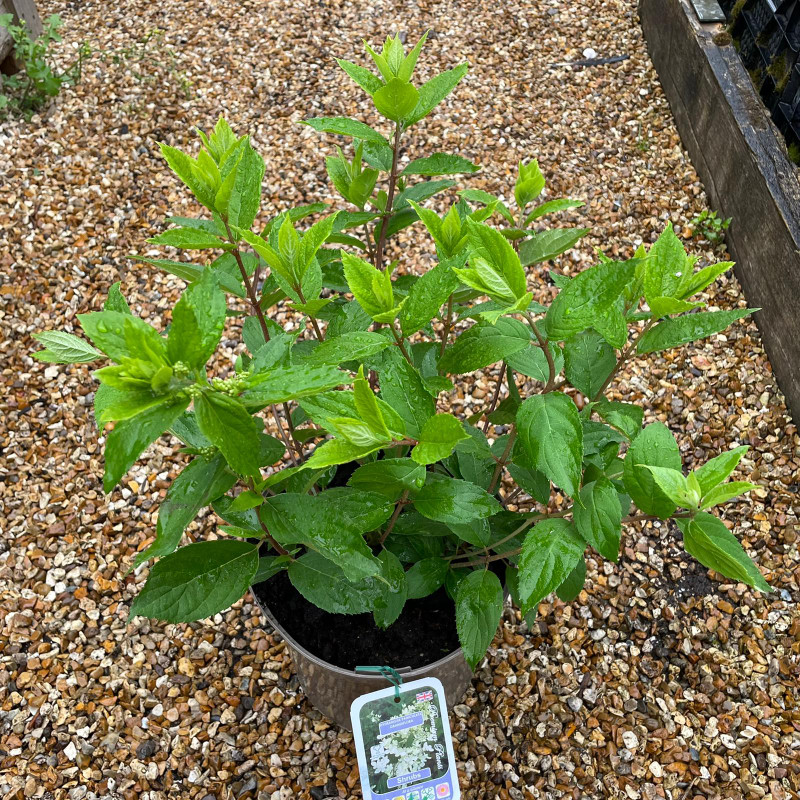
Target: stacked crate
(767, 35)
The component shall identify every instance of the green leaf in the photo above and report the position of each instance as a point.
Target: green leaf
(716, 470)
(404, 391)
(229, 426)
(707, 539)
(533, 362)
(346, 127)
(437, 439)
(269, 566)
(332, 523)
(676, 486)
(131, 436)
(64, 348)
(389, 604)
(454, 501)
(389, 477)
(529, 183)
(419, 192)
(550, 551)
(115, 301)
(245, 196)
(322, 583)
(291, 383)
(351, 346)
(198, 320)
(371, 288)
(479, 607)
(589, 360)
(231, 283)
(246, 500)
(197, 581)
(190, 239)
(396, 99)
(704, 277)
(434, 91)
(573, 583)
(667, 268)
(200, 482)
(552, 207)
(326, 408)
(587, 295)
(367, 80)
(625, 417)
(440, 164)
(725, 492)
(428, 294)
(549, 244)
(338, 451)
(598, 517)
(111, 331)
(654, 446)
(551, 434)
(426, 576)
(504, 279)
(367, 409)
(676, 331)
(484, 344)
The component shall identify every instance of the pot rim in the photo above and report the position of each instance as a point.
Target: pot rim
(293, 643)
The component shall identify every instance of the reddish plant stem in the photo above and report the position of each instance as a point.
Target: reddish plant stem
(397, 509)
(625, 356)
(495, 397)
(251, 292)
(448, 321)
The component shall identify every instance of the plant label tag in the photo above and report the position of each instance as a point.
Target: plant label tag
(404, 747)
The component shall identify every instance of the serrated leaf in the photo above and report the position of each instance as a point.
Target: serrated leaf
(552, 207)
(197, 581)
(396, 99)
(434, 91)
(667, 268)
(716, 470)
(438, 438)
(677, 331)
(347, 127)
(200, 482)
(454, 501)
(707, 539)
(479, 607)
(573, 583)
(229, 426)
(440, 164)
(598, 517)
(64, 348)
(198, 320)
(587, 295)
(190, 239)
(131, 436)
(428, 295)
(426, 576)
(484, 344)
(550, 551)
(588, 361)
(351, 346)
(322, 583)
(291, 383)
(625, 417)
(389, 477)
(549, 244)
(654, 446)
(367, 80)
(551, 433)
(725, 492)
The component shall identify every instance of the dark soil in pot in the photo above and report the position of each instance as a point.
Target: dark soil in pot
(424, 632)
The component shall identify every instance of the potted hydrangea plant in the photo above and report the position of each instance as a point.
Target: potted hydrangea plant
(374, 525)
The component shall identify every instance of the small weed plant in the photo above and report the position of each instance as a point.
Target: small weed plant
(514, 495)
(39, 78)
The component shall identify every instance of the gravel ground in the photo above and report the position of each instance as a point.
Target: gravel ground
(655, 683)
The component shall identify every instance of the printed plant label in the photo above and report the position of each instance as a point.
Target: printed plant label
(404, 748)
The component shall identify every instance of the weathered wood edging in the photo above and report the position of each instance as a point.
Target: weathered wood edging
(741, 158)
